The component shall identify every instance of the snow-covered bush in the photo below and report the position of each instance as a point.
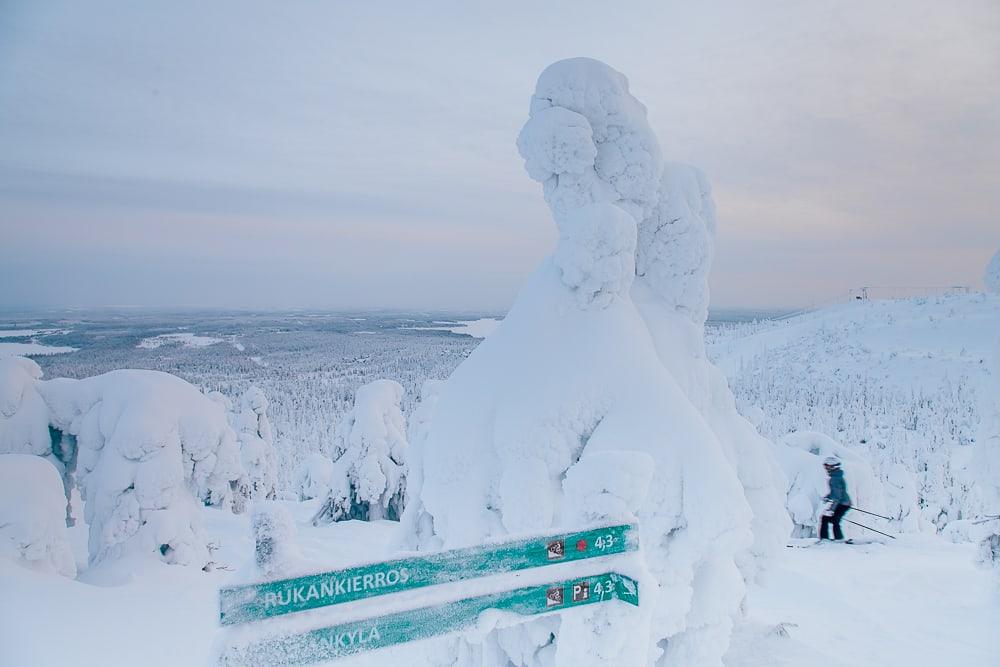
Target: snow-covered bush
(992, 276)
(901, 500)
(369, 477)
(274, 535)
(33, 515)
(150, 447)
(801, 456)
(313, 477)
(565, 416)
(256, 442)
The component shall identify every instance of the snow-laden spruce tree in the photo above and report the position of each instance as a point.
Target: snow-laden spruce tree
(313, 477)
(33, 515)
(801, 457)
(565, 417)
(253, 430)
(986, 463)
(151, 447)
(369, 477)
(992, 276)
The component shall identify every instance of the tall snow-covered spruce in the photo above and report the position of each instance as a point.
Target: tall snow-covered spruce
(567, 416)
(369, 468)
(253, 430)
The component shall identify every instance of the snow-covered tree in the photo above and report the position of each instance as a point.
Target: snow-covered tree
(313, 476)
(992, 277)
(256, 442)
(33, 515)
(801, 456)
(987, 464)
(150, 447)
(369, 478)
(566, 417)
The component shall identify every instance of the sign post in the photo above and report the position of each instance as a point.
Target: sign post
(365, 635)
(252, 602)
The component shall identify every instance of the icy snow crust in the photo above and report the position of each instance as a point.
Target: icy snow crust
(582, 408)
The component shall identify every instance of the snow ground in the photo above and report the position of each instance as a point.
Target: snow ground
(32, 349)
(916, 601)
(185, 339)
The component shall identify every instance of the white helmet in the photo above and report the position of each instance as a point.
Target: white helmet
(831, 462)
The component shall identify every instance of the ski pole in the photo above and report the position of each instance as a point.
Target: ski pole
(871, 529)
(856, 509)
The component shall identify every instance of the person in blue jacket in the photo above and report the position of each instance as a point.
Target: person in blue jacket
(838, 502)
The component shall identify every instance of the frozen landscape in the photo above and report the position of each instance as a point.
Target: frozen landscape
(609, 470)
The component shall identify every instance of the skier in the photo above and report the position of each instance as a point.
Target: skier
(838, 502)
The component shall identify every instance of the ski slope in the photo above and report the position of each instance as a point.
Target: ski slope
(915, 601)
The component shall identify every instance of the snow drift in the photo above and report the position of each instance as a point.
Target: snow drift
(33, 515)
(567, 416)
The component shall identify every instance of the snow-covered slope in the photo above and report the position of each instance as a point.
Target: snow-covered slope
(896, 381)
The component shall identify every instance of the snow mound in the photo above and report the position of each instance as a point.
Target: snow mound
(24, 417)
(992, 276)
(150, 447)
(33, 515)
(313, 476)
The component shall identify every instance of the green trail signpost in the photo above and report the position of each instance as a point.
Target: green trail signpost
(241, 604)
(373, 633)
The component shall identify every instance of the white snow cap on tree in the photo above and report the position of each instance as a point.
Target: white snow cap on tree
(33, 515)
(992, 277)
(257, 445)
(150, 447)
(565, 417)
(587, 140)
(676, 241)
(369, 477)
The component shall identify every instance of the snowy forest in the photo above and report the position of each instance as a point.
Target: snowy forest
(308, 486)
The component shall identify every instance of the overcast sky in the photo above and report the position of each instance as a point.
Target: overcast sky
(361, 155)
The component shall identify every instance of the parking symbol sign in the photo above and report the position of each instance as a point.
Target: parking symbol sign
(581, 591)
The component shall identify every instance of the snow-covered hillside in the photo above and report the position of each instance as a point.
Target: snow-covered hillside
(896, 381)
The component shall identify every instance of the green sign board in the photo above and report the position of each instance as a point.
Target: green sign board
(373, 633)
(240, 604)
